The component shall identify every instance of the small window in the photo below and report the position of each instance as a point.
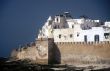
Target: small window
(71, 35)
(77, 34)
(57, 19)
(59, 36)
(85, 38)
(72, 26)
(106, 35)
(96, 38)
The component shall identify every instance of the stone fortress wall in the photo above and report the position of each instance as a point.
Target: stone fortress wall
(65, 52)
(84, 53)
(37, 52)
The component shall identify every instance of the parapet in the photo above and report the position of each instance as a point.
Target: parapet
(87, 43)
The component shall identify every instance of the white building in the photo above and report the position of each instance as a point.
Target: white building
(63, 28)
(107, 24)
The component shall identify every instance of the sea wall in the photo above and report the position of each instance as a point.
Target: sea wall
(46, 51)
(37, 53)
(84, 53)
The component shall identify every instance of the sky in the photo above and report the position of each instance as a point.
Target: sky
(20, 20)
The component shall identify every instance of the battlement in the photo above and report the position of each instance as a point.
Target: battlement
(87, 43)
(83, 53)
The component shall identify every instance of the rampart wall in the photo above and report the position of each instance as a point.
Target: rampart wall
(38, 52)
(84, 53)
(46, 51)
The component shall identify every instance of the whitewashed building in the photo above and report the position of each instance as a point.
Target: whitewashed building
(63, 28)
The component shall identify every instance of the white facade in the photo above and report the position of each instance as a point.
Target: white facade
(89, 35)
(63, 28)
(63, 35)
(74, 35)
(107, 24)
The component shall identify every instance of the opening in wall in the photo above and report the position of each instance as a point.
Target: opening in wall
(71, 35)
(106, 35)
(72, 26)
(85, 38)
(96, 38)
(59, 35)
(57, 19)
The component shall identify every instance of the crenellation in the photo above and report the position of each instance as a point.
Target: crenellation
(84, 43)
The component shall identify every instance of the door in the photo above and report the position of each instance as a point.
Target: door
(85, 38)
(96, 38)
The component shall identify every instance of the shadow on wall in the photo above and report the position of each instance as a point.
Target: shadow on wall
(54, 55)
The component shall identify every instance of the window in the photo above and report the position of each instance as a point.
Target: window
(77, 34)
(96, 38)
(72, 26)
(60, 36)
(106, 35)
(85, 38)
(57, 19)
(71, 35)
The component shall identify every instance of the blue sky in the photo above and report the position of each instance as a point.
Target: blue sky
(20, 20)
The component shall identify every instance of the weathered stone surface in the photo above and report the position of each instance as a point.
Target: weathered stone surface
(37, 53)
(46, 51)
(72, 53)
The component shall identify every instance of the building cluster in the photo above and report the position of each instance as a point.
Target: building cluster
(64, 28)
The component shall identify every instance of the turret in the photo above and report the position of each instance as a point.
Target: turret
(60, 21)
(60, 18)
